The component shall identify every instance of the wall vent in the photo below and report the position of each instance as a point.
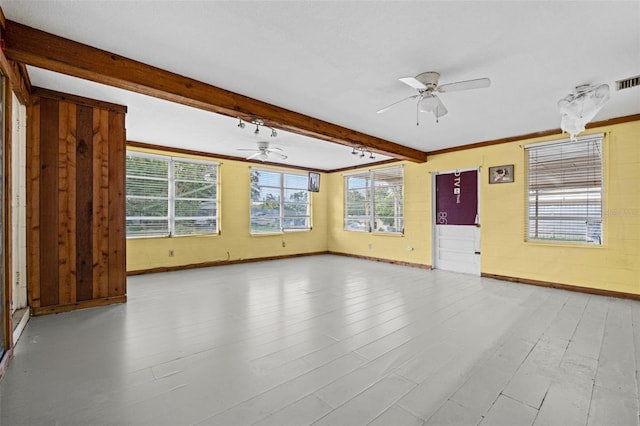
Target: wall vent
(628, 83)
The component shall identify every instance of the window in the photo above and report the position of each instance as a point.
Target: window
(374, 201)
(279, 202)
(170, 196)
(565, 191)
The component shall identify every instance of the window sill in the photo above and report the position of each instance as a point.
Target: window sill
(564, 244)
(144, 237)
(286, 231)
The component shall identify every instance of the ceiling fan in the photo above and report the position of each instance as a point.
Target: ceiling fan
(263, 151)
(427, 85)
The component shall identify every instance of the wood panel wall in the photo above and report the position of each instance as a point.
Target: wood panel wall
(76, 202)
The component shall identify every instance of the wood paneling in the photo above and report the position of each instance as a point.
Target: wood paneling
(49, 212)
(75, 191)
(38, 48)
(117, 214)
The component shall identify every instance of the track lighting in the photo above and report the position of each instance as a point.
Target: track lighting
(361, 151)
(258, 123)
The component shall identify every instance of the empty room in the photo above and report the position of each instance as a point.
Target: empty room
(320, 213)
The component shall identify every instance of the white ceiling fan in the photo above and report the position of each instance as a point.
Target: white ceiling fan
(263, 151)
(427, 85)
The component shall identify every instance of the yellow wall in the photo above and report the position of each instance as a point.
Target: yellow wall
(613, 266)
(234, 241)
(417, 226)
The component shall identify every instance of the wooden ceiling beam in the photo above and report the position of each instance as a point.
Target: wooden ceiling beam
(44, 50)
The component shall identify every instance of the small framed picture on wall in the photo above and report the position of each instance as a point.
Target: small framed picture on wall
(314, 182)
(501, 174)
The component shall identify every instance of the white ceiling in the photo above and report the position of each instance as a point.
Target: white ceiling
(340, 62)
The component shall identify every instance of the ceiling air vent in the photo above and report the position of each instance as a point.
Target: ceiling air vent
(628, 83)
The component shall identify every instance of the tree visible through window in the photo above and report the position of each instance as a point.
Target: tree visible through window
(565, 191)
(279, 202)
(374, 201)
(170, 196)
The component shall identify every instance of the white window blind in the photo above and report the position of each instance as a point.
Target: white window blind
(565, 191)
(170, 196)
(279, 202)
(374, 201)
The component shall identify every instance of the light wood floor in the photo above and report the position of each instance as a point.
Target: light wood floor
(329, 340)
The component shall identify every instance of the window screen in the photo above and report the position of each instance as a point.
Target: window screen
(374, 201)
(170, 196)
(279, 202)
(565, 191)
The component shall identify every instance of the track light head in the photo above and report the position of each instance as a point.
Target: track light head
(274, 133)
(241, 124)
(257, 131)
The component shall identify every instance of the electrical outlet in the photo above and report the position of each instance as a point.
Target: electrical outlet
(370, 246)
(171, 253)
(409, 248)
(284, 244)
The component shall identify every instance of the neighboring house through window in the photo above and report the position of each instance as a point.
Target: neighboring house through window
(564, 187)
(374, 200)
(279, 202)
(169, 196)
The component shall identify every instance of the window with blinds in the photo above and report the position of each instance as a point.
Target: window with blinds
(564, 191)
(279, 202)
(374, 201)
(170, 196)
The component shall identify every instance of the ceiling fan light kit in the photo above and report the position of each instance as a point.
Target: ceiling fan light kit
(263, 151)
(426, 84)
(581, 106)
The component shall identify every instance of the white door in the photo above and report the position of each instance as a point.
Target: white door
(456, 230)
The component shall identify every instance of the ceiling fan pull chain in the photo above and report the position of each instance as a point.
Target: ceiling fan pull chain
(418, 112)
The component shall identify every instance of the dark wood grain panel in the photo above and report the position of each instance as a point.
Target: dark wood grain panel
(84, 203)
(67, 203)
(33, 202)
(49, 285)
(100, 232)
(117, 235)
(76, 205)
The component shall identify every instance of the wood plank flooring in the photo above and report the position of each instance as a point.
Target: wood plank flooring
(329, 340)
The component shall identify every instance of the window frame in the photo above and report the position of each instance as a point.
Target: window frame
(370, 203)
(581, 201)
(282, 215)
(171, 199)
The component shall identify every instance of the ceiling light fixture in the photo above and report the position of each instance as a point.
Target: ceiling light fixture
(258, 123)
(581, 106)
(361, 151)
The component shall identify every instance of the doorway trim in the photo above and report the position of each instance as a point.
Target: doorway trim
(434, 213)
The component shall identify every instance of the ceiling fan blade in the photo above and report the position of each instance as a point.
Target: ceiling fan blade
(380, 111)
(274, 149)
(256, 155)
(479, 83)
(413, 82)
(277, 154)
(247, 149)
